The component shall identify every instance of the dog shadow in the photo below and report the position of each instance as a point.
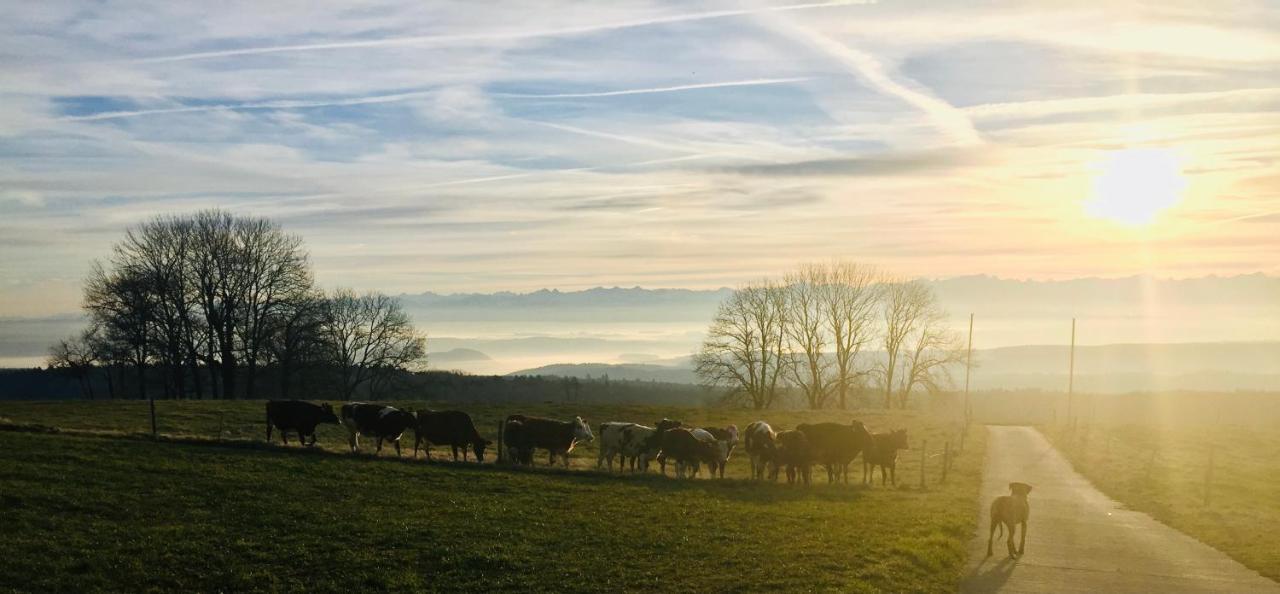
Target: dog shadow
(990, 575)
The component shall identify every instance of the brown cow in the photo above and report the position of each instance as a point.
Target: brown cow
(835, 446)
(688, 451)
(795, 453)
(453, 428)
(884, 453)
(557, 437)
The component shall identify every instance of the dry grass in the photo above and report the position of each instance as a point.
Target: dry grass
(1162, 471)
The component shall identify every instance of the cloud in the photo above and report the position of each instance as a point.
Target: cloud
(712, 85)
(878, 165)
(468, 38)
(265, 105)
(865, 66)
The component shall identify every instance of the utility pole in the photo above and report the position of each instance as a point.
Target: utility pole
(1071, 376)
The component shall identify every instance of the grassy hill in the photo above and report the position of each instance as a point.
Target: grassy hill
(95, 507)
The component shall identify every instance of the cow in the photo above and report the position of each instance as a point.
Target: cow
(518, 443)
(629, 442)
(835, 445)
(884, 453)
(386, 423)
(725, 439)
(299, 416)
(557, 437)
(453, 428)
(794, 453)
(760, 442)
(687, 450)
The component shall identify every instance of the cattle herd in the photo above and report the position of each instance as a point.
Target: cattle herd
(833, 446)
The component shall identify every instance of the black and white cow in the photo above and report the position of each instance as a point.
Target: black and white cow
(630, 442)
(298, 416)
(386, 423)
(761, 445)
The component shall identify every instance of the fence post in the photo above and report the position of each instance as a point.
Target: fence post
(151, 403)
(221, 415)
(924, 449)
(1208, 478)
(946, 460)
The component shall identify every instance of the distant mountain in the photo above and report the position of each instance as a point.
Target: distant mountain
(600, 304)
(1104, 368)
(458, 355)
(624, 371)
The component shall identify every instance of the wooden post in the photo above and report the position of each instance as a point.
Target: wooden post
(946, 460)
(1208, 477)
(924, 448)
(151, 403)
(502, 425)
(221, 415)
(1071, 377)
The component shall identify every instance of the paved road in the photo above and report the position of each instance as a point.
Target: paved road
(1082, 541)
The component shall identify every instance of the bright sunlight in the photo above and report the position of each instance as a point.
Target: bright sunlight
(1133, 186)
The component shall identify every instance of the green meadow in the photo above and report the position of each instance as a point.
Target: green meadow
(94, 504)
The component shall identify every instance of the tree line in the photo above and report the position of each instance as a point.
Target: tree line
(200, 305)
(812, 332)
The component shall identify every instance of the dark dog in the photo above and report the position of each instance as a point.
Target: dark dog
(1011, 510)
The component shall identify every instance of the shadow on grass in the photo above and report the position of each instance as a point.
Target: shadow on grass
(744, 490)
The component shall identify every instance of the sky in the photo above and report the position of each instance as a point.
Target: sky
(514, 146)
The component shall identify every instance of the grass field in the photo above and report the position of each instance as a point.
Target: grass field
(1161, 471)
(108, 510)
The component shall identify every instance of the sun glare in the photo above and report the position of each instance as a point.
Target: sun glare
(1133, 186)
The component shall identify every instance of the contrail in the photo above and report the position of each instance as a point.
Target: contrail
(713, 85)
(419, 40)
(947, 117)
(389, 98)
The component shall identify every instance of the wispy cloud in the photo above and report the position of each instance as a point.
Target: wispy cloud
(428, 40)
(263, 105)
(865, 66)
(671, 89)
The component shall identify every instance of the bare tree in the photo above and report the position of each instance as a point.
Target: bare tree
(369, 337)
(77, 357)
(276, 275)
(297, 342)
(806, 333)
(913, 336)
(744, 351)
(849, 298)
(928, 354)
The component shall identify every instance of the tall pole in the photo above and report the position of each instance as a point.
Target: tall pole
(968, 363)
(1071, 374)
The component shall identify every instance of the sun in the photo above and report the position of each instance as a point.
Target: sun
(1132, 186)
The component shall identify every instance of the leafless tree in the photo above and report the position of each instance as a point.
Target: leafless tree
(914, 339)
(850, 298)
(297, 342)
(77, 357)
(210, 291)
(806, 333)
(744, 351)
(276, 275)
(928, 354)
(369, 336)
